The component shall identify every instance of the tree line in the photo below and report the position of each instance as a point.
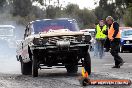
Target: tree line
(121, 10)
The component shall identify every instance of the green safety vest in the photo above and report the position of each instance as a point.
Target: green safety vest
(99, 34)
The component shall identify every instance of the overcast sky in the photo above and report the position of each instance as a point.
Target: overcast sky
(84, 3)
(90, 4)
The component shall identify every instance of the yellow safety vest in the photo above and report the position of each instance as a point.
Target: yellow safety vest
(99, 34)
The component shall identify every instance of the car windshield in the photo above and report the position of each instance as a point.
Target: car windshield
(46, 25)
(127, 33)
(6, 31)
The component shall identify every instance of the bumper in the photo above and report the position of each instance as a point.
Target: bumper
(127, 46)
(44, 47)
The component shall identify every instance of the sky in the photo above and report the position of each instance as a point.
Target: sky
(84, 3)
(90, 4)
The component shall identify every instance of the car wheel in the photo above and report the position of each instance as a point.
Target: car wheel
(130, 51)
(26, 68)
(34, 66)
(121, 49)
(87, 63)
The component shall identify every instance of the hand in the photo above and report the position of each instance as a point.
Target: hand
(112, 39)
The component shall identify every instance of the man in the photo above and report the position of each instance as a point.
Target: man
(100, 38)
(114, 37)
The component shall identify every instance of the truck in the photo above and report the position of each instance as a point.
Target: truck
(53, 42)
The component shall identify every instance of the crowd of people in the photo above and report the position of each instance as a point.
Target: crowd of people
(107, 38)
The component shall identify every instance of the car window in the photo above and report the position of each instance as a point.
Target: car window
(6, 31)
(127, 33)
(42, 26)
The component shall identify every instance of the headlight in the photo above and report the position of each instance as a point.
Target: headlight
(127, 42)
(39, 41)
(79, 38)
(84, 38)
(87, 38)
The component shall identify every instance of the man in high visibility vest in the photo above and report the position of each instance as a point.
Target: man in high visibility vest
(100, 38)
(114, 37)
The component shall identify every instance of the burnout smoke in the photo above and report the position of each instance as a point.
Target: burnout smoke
(8, 41)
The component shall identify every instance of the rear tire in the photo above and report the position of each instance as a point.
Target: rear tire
(26, 68)
(87, 63)
(34, 66)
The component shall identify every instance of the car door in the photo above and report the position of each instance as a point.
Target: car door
(25, 43)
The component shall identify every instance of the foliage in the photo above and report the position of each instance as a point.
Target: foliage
(128, 17)
(87, 18)
(119, 9)
(21, 7)
(2, 2)
(25, 11)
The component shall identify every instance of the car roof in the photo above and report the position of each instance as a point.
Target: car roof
(7, 26)
(39, 20)
(122, 28)
(53, 19)
(127, 29)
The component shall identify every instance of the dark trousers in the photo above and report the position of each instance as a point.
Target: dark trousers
(114, 51)
(107, 44)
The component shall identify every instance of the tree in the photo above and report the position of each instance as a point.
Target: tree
(2, 2)
(128, 16)
(72, 10)
(22, 7)
(52, 12)
(87, 18)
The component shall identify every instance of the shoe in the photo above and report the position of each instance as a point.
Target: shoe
(116, 66)
(121, 63)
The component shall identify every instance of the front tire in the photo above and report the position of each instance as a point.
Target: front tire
(26, 68)
(87, 63)
(34, 66)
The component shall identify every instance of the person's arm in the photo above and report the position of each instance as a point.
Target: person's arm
(95, 30)
(116, 28)
(105, 32)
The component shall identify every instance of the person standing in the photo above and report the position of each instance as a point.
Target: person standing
(114, 37)
(100, 38)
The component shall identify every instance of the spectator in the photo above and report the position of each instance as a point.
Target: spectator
(100, 38)
(114, 37)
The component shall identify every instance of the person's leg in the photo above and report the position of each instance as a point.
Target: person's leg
(100, 49)
(117, 58)
(96, 49)
(114, 53)
(107, 45)
(103, 42)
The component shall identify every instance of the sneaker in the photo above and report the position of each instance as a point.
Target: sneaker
(116, 66)
(121, 63)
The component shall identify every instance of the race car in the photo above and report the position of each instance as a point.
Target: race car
(53, 42)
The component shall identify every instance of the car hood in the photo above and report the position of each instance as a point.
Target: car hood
(56, 33)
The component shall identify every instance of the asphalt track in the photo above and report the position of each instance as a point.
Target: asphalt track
(10, 75)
